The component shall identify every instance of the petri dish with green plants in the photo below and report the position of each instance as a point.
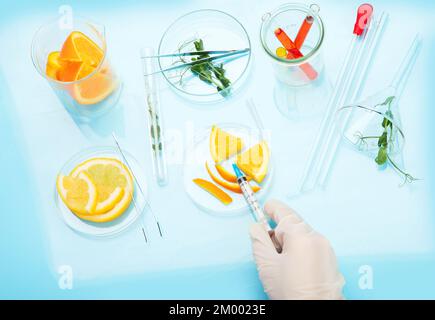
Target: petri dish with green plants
(205, 30)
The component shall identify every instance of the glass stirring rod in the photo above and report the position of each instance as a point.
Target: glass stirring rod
(255, 206)
(155, 126)
(118, 146)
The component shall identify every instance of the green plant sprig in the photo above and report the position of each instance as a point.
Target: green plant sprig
(207, 71)
(385, 141)
(155, 129)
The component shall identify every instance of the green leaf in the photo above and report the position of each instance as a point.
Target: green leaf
(383, 140)
(199, 45)
(388, 101)
(382, 157)
(209, 72)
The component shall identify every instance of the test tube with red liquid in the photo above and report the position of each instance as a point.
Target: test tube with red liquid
(294, 53)
(303, 31)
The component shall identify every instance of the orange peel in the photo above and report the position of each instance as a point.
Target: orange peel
(214, 190)
(229, 176)
(234, 187)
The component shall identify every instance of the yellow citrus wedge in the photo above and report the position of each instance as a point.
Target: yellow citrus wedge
(53, 65)
(110, 202)
(78, 193)
(111, 215)
(223, 145)
(255, 161)
(214, 191)
(114, 184)
(234, 187)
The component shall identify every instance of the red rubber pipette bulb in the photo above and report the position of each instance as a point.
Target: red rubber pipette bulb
(364, 14)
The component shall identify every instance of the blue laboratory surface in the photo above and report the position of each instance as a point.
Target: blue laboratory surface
(368, 218)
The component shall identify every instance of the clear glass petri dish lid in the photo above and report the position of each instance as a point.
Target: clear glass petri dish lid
(218, 31)
(129, 217)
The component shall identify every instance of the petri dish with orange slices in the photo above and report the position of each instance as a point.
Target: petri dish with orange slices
(94, 192)
(208, 176)
(74, 60)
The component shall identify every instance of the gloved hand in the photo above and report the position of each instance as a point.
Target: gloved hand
(306, 268)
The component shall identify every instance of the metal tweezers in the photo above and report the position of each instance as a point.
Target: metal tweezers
(221, 54)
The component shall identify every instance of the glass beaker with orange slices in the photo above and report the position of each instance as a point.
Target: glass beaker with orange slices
(75, 62)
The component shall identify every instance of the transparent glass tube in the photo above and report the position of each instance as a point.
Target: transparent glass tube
(351, 94)
(91, 95)
(155, 123)
(350, 81)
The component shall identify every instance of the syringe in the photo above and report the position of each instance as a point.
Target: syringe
(256, 210)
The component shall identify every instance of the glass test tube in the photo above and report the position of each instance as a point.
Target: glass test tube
(295, 53)
(303, 31)
(155, 126)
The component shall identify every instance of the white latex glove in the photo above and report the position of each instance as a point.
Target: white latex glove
(306, 268)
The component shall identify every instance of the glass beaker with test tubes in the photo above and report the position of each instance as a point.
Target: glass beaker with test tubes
(292, 37)
(73, 58)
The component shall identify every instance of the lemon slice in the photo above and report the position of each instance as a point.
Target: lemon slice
(78, 193)
(223, 145)
(255, 161)
(106, 205)
(114, 185)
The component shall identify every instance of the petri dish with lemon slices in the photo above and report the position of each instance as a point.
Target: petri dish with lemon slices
(208, 176)
(94, 192)
(73, 58)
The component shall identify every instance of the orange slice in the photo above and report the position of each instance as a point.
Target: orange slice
(227, 175)
(215, 191)
(78, 193)
(95, 88)
(114, 184)
(69, 71)
(234, 187)
(224, 173)
(255, 161)
(80, 47)
(223, 145)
